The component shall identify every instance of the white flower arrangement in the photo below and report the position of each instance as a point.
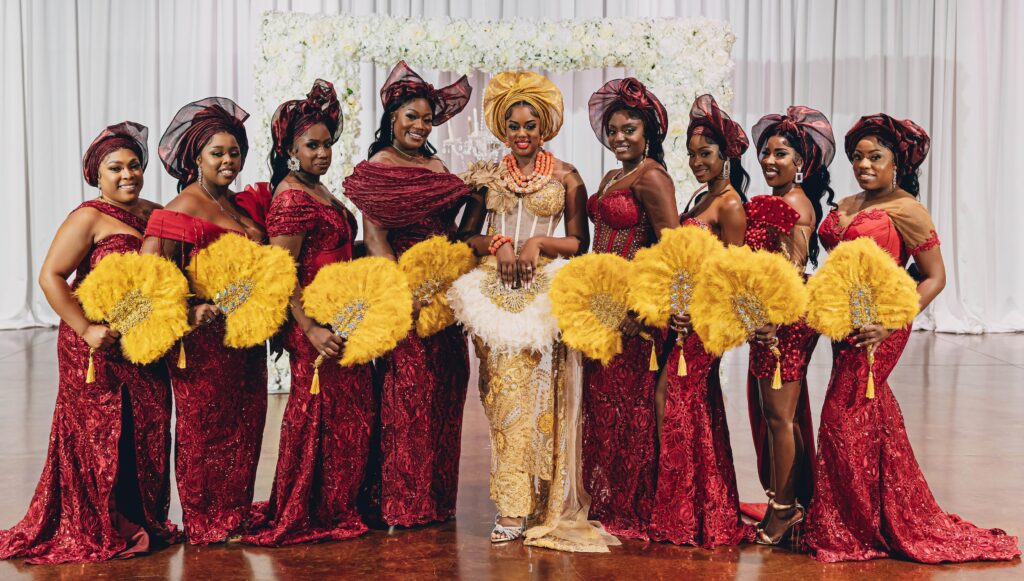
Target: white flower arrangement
(677, 58)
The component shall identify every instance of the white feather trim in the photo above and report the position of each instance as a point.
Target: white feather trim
(534, 328)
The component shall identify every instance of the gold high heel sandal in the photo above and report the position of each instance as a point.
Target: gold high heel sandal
(791, 533)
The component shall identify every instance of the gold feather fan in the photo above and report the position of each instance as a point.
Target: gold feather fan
(739, 291)
(366, 302)
(664, 277)
(860, 284)
(142, 297)
(250, 283)
(431, 267)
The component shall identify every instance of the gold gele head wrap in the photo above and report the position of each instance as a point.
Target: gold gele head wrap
(508, 88)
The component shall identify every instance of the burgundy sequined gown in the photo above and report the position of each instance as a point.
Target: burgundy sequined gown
(768, 219)
(871, 499)
(618, 399)
(220, 402)
(696, 502)
(413, 475)
(105, 487)
(325, 438)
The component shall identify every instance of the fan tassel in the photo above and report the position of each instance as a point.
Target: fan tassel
(871, 373)
(182, 363)
(90, 374)
(654, 359)
(681, 370)
(777, 378)
(314, 387)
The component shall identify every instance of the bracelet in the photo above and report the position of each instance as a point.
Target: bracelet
(497, 242)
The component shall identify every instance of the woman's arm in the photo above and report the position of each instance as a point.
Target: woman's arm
(932, 267)
(732, 222)
(322, 339)
(657, 193)
(376, 239)
(472, 224)
(69, 248)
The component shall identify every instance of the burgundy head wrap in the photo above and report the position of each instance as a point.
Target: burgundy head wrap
(192, 127)
(631, 93)
(708, 120)
(404, 84)
(293, 117)
(124, 135)
(909, 141)
(811, 128)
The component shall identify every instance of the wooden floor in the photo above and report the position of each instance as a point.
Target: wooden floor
(962, 397)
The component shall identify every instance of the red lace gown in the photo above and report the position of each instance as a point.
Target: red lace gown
(768, 219)
(871, 499)
(619, 424)
(696, 502)
(220, 403)
(105, 487)
(413, 474)
(325, 438)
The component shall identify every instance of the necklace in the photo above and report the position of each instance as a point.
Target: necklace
(543, 166)
(619, 177)
(232, 215)
(402, 152)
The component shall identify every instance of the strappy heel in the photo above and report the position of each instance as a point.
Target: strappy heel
(504, 534)
(791, 533)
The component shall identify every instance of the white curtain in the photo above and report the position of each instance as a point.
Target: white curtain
(71, 68)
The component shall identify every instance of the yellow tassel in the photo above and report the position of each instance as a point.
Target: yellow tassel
(871, 374)
(90, 375)
(654, 359)
(314, 387)
(777, 379)
(182, 363)
(681, 370)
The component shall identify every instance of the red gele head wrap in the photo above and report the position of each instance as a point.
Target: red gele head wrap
(124, 135)
(708, 120)
(192, 127)
(404, 84)
(811, 128)
(293, 117)
(630, 93)
(909, 141)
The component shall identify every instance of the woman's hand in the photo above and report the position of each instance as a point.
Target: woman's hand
(766, 335)
(870, 335)
(630, 326)
(418, 305)
(100, 336)
(203, 314)
(324, 341)
(507, 267)
(526, 266)
(681, 324)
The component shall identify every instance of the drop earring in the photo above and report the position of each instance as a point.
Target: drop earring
(647, 148)
(726, 170)
(894, 172)
(293, 163)
(799, 179)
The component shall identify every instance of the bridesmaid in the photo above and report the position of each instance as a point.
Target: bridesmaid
(795, 150)
(407, 195)
(220, 393)
(696, 502)
(629, 211)
(324, 437)
(105, 487)
(871, 499)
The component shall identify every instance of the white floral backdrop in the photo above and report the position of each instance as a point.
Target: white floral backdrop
(677, 58)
